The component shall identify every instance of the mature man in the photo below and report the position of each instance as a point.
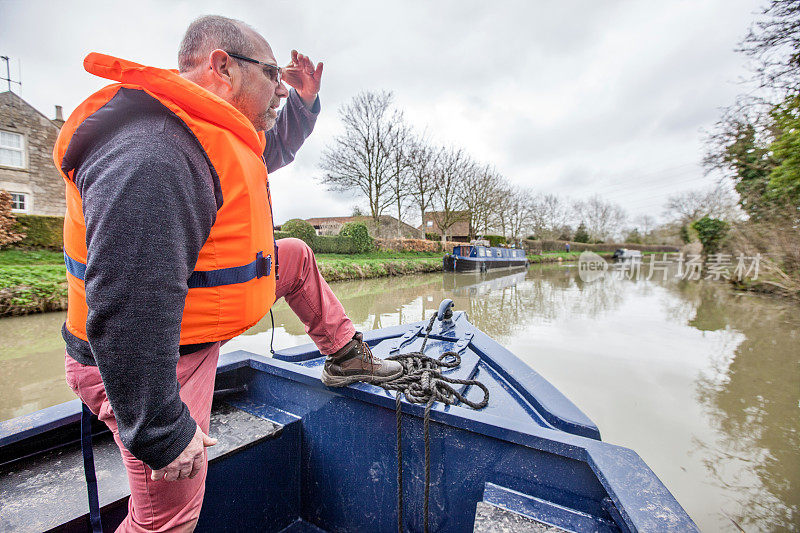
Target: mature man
(169, 249)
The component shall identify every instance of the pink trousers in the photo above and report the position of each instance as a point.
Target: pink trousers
(175, 505)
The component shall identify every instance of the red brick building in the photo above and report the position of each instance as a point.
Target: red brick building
(458, 232)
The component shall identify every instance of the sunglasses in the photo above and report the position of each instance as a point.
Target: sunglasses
(273, 72)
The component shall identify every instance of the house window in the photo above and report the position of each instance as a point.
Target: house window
(19, 202)
(429, 223)
(12, 150)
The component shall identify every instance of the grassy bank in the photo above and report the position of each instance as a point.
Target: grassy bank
(553, 257)
(32, 282)
(338, 267)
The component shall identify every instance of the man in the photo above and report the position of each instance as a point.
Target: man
(169, 249)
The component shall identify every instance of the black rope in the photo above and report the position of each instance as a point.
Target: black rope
(397, 415)
(422, 382)
(272, 338)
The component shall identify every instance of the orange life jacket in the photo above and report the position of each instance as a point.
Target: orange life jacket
(233, 285)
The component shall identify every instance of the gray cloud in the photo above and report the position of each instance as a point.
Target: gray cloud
(570, 97)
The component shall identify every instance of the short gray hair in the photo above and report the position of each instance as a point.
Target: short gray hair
(210, 33)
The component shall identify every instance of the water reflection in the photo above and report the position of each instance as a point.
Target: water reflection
(31, 364)
(752, 400)
(703, 383)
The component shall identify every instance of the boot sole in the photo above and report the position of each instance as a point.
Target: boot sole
(342, 381)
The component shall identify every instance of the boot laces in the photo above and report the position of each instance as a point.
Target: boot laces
(365, 354)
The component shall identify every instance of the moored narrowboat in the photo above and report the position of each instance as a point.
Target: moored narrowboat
(480, 258)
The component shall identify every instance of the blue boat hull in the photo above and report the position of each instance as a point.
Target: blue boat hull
(452, 263)
(332, 465)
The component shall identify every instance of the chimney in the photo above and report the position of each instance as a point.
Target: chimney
(59, 120)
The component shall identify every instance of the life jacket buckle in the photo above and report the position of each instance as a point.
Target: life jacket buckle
(263, 265)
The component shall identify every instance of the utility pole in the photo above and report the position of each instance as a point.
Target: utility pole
(8, 74)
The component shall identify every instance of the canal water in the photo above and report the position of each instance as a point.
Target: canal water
(703, 382)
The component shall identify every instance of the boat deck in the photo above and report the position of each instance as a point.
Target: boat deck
(296, 456)
(492, 519)
(38, 494)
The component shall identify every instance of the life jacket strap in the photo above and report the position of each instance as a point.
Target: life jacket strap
(260, 267)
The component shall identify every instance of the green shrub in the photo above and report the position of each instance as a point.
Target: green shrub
(359, 233)
(334, 244)
(495, 240)
(634, 236)
(281, 235)
(581, 235)
(41, 231)
(684, 233)
(299, 229)
(433, 237)
(711, 232)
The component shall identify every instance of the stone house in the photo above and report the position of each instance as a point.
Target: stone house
(386, 227)
(27, 138)
(457, 232)
(329, 225)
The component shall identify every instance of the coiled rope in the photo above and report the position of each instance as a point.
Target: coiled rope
(422, 382)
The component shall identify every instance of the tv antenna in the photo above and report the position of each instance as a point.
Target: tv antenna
(8, 74)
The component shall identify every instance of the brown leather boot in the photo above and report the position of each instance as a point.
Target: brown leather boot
(355, 362)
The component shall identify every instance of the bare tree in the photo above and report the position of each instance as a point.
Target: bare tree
(548, 216)
(520, 208)
(361, 159)
(645, 223)
(603, 219)
(774, 43)
(400, 153)
(450, 173)
(502, 205)
(478, 194)
(715, 202)
(423, 159)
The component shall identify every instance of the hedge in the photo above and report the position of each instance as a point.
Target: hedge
(334, 244)
(40, 231)
(541, 246)
(495, 240)
(413, 245)
(359, 234)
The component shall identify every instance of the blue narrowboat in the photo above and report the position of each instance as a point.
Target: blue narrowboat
(294, 455)
(480, 258)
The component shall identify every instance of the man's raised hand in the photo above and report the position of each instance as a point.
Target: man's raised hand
(189, 462)
(301, 74)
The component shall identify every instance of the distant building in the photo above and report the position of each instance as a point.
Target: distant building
(386, 228)
(27, 138)
(330, 225)
(457, 232)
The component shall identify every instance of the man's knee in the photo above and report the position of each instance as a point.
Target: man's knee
(292, 251)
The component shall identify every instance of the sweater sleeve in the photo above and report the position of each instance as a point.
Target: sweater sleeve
(295, 122)
(147, 214)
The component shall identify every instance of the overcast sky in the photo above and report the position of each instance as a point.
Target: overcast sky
(576, 98)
